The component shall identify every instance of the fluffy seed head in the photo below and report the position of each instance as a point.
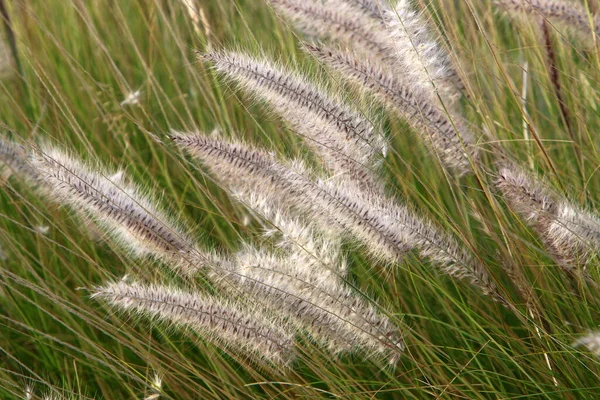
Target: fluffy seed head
(446, 134)
(14, 157)
(340, 22)
(321, 253)
(331, 313)
(122, 209)
(426, 64)
(218, 321)
(571, 234)
(347, 142)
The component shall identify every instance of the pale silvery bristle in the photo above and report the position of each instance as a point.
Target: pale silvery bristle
(297, 236)
(14, 156)
(446, 134)
(568, 14)
(571, 234)
(219, 321)
(577, 231)
(123, 209)
(425, 63)
(347, 142)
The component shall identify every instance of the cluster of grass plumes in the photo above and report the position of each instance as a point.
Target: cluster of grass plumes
(355, 227)
(289, 291)
(387, 229)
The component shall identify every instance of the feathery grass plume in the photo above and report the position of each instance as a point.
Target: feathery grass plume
(14, 157)
(426, 64)
(571, 234)
(347, 142)
(28, 392)
(575, 229)
(567, 14)
(387, 230)
(156, 387)
(330, 312)
(219, 321)
(338, 21)
(591, 342)
(122, 209)
(411, 231)
(446, 134)
(304, 284)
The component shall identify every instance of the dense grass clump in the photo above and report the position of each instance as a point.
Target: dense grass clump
(397, 200)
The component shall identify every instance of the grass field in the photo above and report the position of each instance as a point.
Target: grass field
(80, 60)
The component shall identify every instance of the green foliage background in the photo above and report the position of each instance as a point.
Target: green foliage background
(80, 59)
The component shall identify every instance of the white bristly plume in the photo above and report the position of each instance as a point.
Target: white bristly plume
(340, 22)
(297, 236)
(14, 156)
(426, 64)
(446, 134)
(122, 209)
(571, 233)
(331, 313)
(215, 320)
(306, 283)
(347, 142)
